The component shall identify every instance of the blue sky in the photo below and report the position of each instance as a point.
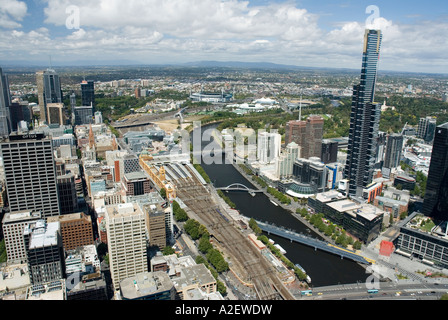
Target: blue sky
(303, 32)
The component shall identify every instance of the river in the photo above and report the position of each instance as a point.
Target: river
(323, 268)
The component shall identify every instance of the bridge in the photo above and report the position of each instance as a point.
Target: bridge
(179, 114)
(239, 187)
(314, 243)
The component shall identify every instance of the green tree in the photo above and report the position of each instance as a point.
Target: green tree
(217, 260)
(254, 226)
(403, 215)
(204, 244)
(357, 245)
(192, 228)
(3, 256)
(179, 213)
(221, 287)
(200, 259)
(163, 193)
(168, 250)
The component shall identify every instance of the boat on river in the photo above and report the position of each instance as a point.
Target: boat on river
(308, 278)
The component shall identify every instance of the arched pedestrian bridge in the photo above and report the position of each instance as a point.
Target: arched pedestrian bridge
(238, 187)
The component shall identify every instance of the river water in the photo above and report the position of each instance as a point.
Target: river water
(323, 268)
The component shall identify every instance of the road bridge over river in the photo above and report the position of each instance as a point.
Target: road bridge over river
(312, 242)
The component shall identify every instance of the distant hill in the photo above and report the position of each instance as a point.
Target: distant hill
(18, 64)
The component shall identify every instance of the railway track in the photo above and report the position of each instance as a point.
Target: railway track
(245, 258)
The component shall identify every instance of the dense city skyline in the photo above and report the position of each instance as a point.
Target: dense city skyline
(302, 33)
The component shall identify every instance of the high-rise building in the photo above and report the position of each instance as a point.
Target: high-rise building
(155, 225)
(136, 183)
(5, 102)
(426, 129)
(55, 113)
(364, 119)
(83, 115)
(295, 132)
(19, 111)
(126, 241)
(311, 172)
(380, 148)
(68, 198)
(307, 134)
(48, 91)
(138, 93)
(98, 117)
(285, 163)
(329, 152)
(268, 146)
(88, 93)
(313, 138)
(13, 226)
(30, 173)
(73, 100)
(44, 251)
(435, 203)
(394, 148)
(75, 228)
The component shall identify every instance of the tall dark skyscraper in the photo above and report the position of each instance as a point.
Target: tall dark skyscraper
(48, 91)
(364, 119)
(435, 203)
(88, 93)
(5, 101)
(30, 173)
(394, 147)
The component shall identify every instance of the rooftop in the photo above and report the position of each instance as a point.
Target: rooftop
(16, 216)
(69, 217)
(43, 235)
(49, 291)
(329, 196)
(122, 210)
(367, 211)
(197, 274)
(344, 205)
(137, 175)
(144, 284)
(419, 222)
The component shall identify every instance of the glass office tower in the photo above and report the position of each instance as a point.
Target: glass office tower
(5, 102)
(48, 91)
(435, 203)
(88, 93)
(364, 119)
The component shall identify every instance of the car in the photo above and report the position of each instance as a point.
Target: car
(320, 293)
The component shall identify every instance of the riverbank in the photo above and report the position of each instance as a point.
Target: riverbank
(291, 208)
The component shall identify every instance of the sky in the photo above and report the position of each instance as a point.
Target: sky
(312, 33)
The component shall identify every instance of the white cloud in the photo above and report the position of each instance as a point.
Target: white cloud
(12, 11)
(153, 31)
(205, 19)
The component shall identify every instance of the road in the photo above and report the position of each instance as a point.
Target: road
(386, 291)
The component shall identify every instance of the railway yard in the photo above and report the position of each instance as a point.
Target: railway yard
(245, 260)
